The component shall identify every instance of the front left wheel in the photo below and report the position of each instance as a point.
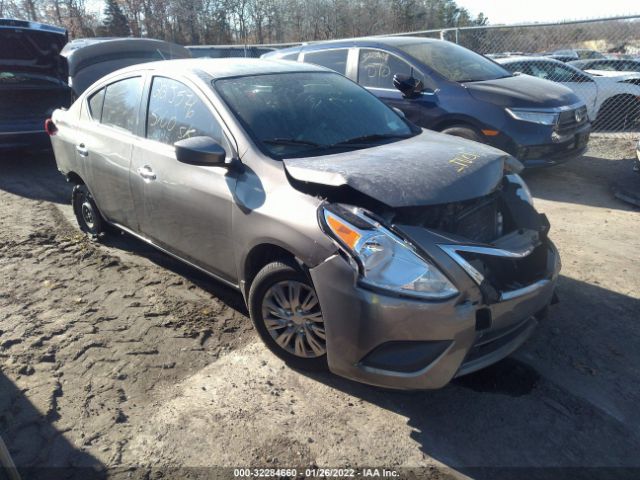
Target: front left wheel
(87, 213)
(286, 313)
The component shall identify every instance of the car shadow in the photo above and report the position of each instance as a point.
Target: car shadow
(36, 448)
(567, 399)
(226, 294)
(589, 180)
(34, 176)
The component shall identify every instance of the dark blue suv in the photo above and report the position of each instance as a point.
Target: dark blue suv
(444, 87)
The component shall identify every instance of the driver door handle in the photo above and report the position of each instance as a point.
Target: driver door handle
(146, 172)
(82, 150)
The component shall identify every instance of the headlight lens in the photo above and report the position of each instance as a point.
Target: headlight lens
(523, 190)
(386, 261)
(542, 118)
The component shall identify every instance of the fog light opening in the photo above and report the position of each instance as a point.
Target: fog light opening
(483, 319)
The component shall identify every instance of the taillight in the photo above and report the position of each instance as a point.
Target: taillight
(50, 127)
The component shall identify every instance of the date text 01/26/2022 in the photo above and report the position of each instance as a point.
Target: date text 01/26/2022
(315, 473)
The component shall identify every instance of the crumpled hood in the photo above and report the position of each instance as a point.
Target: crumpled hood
(522, 91)
(428, 169)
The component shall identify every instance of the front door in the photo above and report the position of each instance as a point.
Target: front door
(185, 209)
(376, 69)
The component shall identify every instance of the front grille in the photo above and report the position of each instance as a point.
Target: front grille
(505, 274)
(567, 120)
(478, 220)
(480, 223)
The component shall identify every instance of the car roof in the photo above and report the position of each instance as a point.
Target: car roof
(216, 68)
(524, 58)
(391, 41)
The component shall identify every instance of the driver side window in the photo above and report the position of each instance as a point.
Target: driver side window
(376, 69)
(176, 112)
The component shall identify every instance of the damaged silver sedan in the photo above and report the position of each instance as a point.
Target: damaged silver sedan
(388, 254)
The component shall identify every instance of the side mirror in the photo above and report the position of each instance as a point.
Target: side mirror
(409, 87)
(200, 151)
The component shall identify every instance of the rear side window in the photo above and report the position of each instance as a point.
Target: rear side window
(95, 104)
(377, 68)
(121, 101)
(176, 113)
(333, 59)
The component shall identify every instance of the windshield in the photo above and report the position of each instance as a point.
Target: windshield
(305, 114)
(454, 62)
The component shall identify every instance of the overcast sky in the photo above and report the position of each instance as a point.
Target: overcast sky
(514, 11)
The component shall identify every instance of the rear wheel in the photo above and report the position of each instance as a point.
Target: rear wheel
(286, 313)
(620, 113)
(464, 132)
(87, 213)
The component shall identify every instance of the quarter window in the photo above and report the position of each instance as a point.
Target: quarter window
(377, 68)
(95, 104)
(121, 102)
(176, 113)
(290, 56)
(334, 59)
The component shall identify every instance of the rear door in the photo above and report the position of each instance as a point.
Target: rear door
(104, 145)
(183, 208)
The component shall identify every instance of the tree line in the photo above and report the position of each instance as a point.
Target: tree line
(193, 22)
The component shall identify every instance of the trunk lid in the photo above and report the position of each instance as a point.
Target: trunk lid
(428, 169)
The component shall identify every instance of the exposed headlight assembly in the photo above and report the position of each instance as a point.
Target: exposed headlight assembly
(542, 118)
(386, 262)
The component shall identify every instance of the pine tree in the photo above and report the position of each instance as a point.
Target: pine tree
(115, 22)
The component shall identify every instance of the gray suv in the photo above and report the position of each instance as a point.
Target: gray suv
(361, 243)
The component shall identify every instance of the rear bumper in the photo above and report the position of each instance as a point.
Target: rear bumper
(405, 343)
(25, 140)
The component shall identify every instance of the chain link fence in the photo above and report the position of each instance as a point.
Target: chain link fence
(599, 59)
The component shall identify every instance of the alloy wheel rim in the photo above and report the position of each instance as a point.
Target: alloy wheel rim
(291, 312)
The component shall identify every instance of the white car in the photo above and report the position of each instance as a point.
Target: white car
(612, 99)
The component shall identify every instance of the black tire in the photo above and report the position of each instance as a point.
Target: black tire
(87, 214)
(274, 275)
(464, 132)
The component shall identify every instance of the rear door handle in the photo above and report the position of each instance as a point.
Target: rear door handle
(82, 150)
(146, 172)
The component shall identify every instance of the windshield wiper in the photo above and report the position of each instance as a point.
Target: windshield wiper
(291, 141)
(369, 138)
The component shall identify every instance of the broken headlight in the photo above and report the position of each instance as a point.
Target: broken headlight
(385, 261)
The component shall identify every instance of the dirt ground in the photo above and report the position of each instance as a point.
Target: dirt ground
(117, 356)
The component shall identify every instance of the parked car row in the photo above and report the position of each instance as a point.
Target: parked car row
(361, 240)
(40, 71)
(447, 88)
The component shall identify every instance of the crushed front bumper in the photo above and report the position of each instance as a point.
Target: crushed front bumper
(404, 343)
